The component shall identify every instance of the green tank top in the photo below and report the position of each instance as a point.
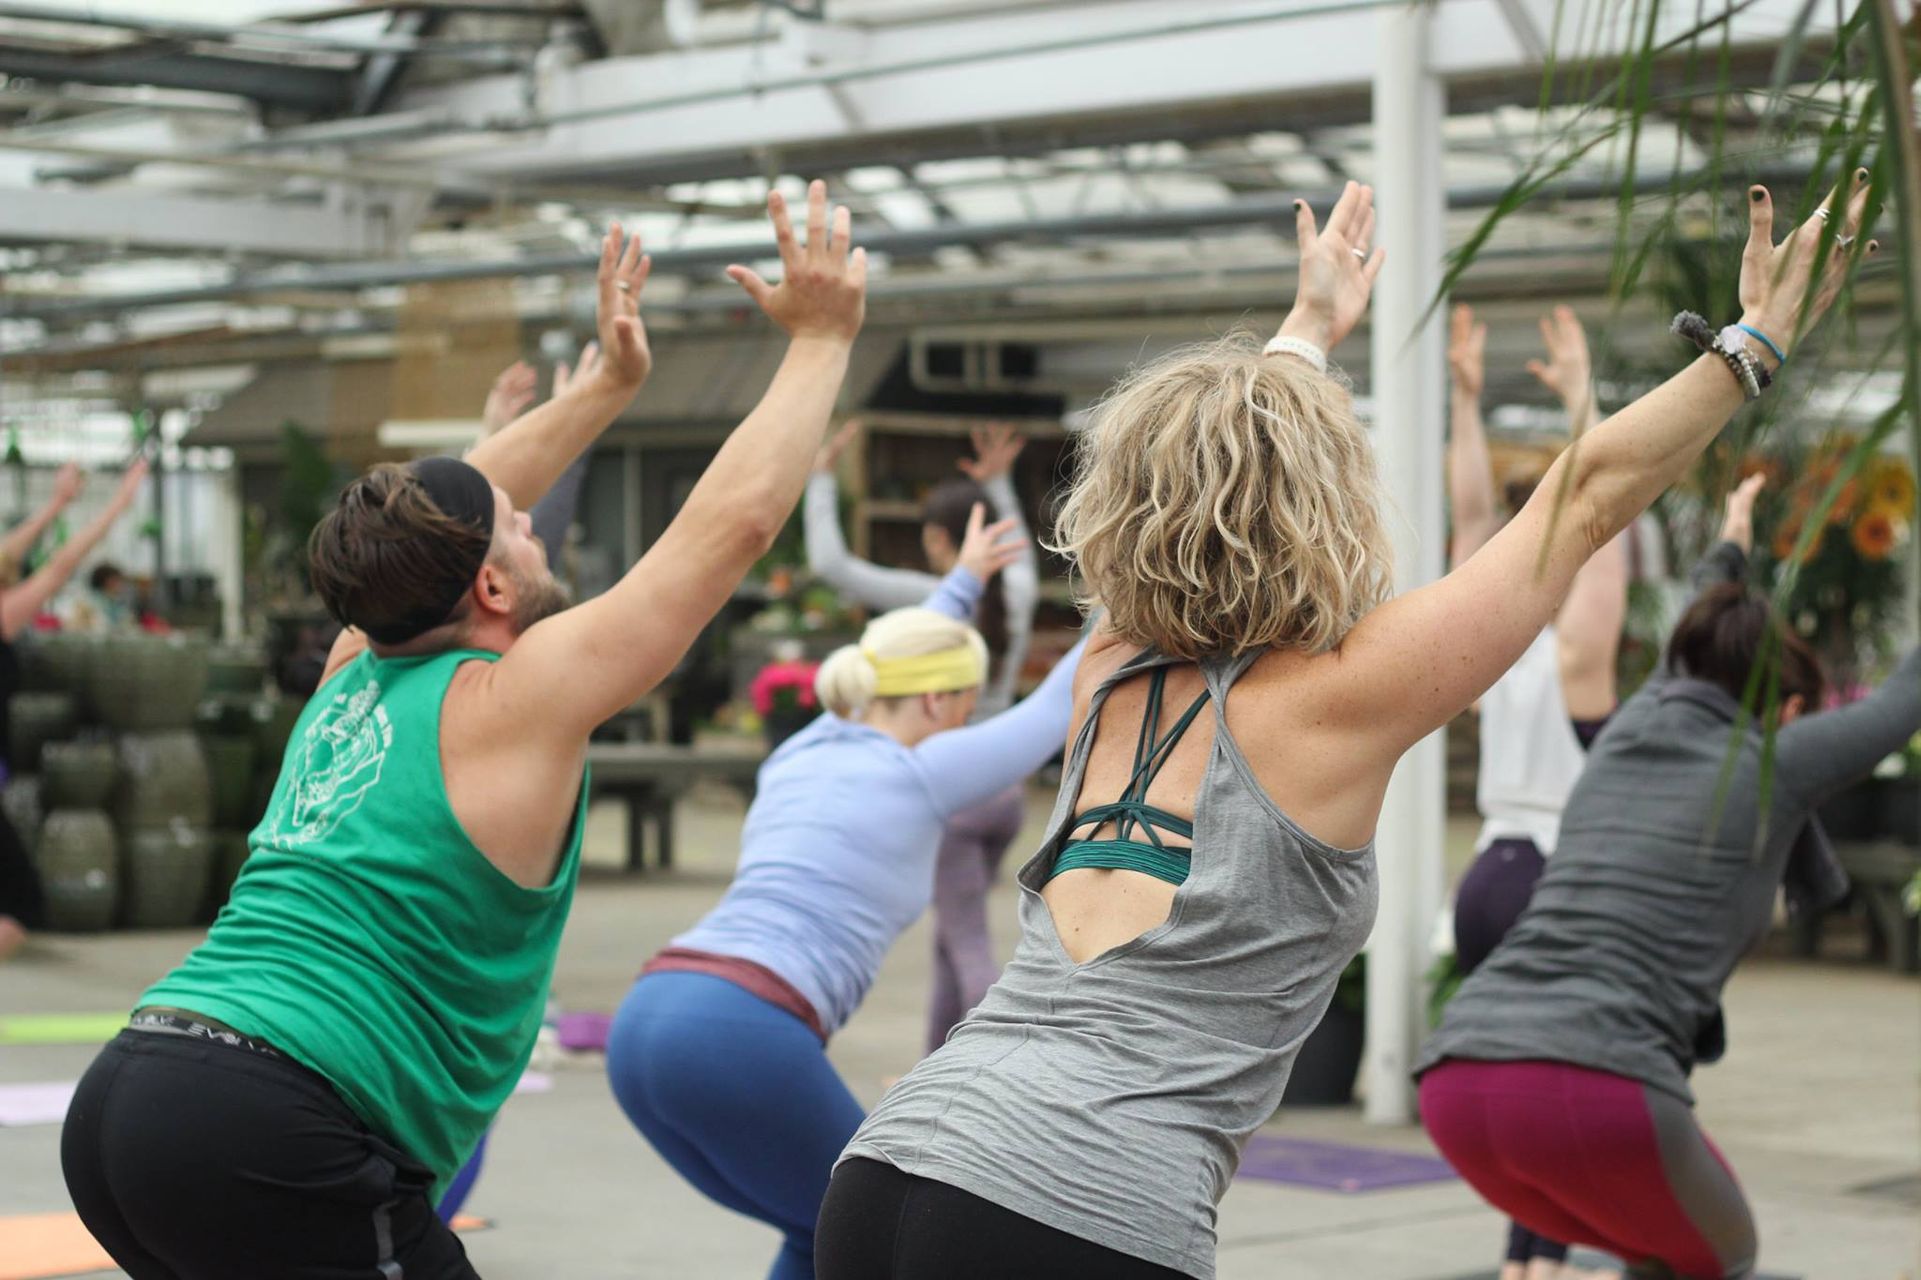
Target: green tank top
(367, 937)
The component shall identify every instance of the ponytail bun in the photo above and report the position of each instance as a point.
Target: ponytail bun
(845, 682)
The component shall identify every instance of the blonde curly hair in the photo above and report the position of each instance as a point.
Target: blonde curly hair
(1227, 500)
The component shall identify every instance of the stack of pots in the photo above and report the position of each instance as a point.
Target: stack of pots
(229, 721)
(156, 755)
(77, 851)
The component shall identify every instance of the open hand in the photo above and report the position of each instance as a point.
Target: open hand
(1737, 526)
(1778, 283)
(623, 338)
(509, 397)
(1467, 351)
(986, 549)
(836, 445)
(1338, 268)
(1567, 371)
(566, 376)
(68, 483)
(995, 448)
(823, 287)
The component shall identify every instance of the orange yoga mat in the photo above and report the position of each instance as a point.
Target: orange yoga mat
(47, 1246)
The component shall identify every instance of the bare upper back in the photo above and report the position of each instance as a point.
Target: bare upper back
(1284, 716)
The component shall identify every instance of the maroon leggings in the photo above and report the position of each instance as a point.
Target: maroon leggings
(1593, 1158)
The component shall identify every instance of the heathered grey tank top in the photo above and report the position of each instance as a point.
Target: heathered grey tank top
(1111, 1099)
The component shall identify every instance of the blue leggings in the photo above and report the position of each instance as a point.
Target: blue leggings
(738, 1096)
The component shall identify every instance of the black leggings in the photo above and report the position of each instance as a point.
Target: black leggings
(20, 893)
(193, 1160)
(878, 1223)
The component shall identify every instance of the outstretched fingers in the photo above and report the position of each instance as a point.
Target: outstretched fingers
(817, 246)
(783, 229)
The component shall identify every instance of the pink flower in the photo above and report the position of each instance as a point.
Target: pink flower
(776, 677)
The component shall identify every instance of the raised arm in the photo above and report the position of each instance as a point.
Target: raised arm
(530, 454)
(966, 766)
(1470, 469)
(574, 670)
(861, 581)
(1568, 370)
(1816, 755)
(508, 398)
(992, 467)
(21, 604)
(1587, 633)
(19, 541)
(985, 550)
(1415, 662)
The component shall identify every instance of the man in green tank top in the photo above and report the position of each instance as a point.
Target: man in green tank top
(289, 1100)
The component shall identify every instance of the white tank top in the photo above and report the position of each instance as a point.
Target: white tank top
(1530, 754)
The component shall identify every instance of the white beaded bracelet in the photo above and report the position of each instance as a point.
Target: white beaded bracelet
(1301, 347)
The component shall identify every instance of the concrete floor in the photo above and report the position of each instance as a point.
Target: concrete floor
(1817, 1097)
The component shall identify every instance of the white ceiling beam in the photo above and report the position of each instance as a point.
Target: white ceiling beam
(175, 223)
(826, 86)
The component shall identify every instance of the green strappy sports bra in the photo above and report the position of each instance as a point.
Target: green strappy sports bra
(1131, 813)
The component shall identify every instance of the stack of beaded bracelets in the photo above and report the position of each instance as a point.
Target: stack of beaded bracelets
(1731, 344)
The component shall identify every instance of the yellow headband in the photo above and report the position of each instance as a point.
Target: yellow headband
(948, 671)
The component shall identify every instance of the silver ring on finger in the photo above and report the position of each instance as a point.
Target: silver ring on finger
(1360, 253)
(1821, 214)
(1844, 241)
(623, 286)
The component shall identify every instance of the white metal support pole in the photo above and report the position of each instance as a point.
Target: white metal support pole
(1409, 395)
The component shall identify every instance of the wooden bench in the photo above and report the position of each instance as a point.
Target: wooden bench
(650, 776)
(1879, 872)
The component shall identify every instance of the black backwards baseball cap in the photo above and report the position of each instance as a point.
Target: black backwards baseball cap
(461, 494)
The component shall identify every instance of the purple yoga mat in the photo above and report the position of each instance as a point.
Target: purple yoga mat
(1335, 1166)
(581, 1031)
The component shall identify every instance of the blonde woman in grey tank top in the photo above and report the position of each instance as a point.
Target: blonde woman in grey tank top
(1209, 869)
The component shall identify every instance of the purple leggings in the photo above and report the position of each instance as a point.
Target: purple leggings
(971, 850)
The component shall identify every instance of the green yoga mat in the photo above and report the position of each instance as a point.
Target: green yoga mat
(61, 1028)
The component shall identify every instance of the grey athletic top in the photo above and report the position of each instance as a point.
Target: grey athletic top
(1111, 1099)
(1665, 876)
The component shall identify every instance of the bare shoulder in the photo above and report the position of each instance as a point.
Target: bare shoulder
(513, 779)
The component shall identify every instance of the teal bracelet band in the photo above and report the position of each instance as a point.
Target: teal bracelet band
(1780, 356)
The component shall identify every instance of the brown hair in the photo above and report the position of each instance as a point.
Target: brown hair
(949, 506)
(1227, 500)
(1727, 630)
(385, 553)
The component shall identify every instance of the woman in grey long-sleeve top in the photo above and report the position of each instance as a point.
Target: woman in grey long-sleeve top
(1557, 1082)
(976, 839)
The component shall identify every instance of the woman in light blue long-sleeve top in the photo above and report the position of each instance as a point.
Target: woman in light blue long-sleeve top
(975, 840)
(718, 1055)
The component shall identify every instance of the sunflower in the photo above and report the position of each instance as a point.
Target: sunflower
(1875, 535)
(1891, 488)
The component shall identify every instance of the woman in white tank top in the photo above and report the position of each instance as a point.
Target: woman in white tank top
(1539, 717)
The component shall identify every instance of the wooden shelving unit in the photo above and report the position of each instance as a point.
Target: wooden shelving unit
(899, 458)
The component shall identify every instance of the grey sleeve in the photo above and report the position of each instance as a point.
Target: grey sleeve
(1820, 753)
(1725, 562)
(829, 560)
(1021, 588)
